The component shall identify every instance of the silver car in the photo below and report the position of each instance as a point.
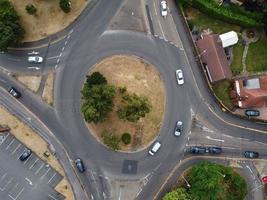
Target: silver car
(35, 59)
(179, 76)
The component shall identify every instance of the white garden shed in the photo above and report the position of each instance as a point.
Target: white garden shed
(229, 38)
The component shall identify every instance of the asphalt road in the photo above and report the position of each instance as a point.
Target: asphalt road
(86, 43)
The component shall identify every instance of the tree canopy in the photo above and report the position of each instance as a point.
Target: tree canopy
(10, 29)
(177, 194)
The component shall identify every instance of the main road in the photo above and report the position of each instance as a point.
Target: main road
(87, 42)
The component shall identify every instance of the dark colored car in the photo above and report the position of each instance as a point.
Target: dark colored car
(252, 113)
(214, 150)
(198, 150)
(79, 164)
(26, 154)
(15, 93)
(251, 154)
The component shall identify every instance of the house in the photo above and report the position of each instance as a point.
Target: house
(250, 92)
(213, 57)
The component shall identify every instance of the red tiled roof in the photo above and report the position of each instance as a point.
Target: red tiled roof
(213, 55)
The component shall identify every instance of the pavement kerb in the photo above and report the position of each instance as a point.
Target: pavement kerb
(193, 157)
(58, 142)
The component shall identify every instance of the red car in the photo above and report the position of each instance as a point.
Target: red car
(264, 179)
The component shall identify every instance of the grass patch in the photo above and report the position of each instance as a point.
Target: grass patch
(257, 56)
(236, 65)
(202, 21)
(222, 90)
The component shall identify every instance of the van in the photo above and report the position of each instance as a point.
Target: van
(154, 148)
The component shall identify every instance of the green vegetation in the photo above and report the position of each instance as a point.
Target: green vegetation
(236, 65)
(177, 194)
(10, 29)
(133, 107)
(98, 98)
(31, 9)
(65, 5)
(210, 181)
(126, 138)
(202, 21)
(111, 140)
(230, 14)
(222, 90)
(257, 56)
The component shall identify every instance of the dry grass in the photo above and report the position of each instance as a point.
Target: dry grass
(47, 95)
(31, 82)
(49, 18)
(139, 77)
(32, 140)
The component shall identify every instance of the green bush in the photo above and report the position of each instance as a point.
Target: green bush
(10, 29)
(96, 78)
(122, 89)
(65, 5)
(111, 140)
(126, 138)
(31, 9)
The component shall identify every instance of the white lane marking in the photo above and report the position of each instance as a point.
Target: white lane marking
(63, 48)
(4, 139)
(27, 160)
(16, 149)
(51, 178)
(39, 168)
(210, 138)
(36, 68)
(56, 66)
(58, 60)
(260, 143)
(249, 169)
(10, 180)
(2, 80)
(45, 173)
(29, 181)
(34, 163)
(60, 54)
(229, 136)
(49, 58)
(230, 147)
(10, 143)
(33, 53)
(19, 194)
(52, 197)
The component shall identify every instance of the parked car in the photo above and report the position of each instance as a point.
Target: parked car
(252, 113)
(264, 179)
(214, 150)
(163, 8)
(178, 128)
(179, 77)
(14, 92)
(79, 164)
(25, 155)
(198, 150)
(251, 154)
(35, 59)
(154, 148)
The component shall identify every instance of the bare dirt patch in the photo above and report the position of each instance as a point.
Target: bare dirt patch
(32, 140)
(31, 82)
(49, 18)
(139, 77)
(47, 95)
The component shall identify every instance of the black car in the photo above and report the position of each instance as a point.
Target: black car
(15, 93)
(214, 150)
(198, 150)
(26, 154)
(252, 113)
(251, 154)
(79, 164)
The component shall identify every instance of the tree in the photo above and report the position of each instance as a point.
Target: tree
(65, 5)
(10, 29)
(133, 107)
(98, 102)
(31, 9)
(177, 194)
(96, 78)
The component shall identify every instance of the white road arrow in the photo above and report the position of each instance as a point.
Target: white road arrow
(210, 138)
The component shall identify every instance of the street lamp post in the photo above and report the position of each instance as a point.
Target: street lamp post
(188, 185)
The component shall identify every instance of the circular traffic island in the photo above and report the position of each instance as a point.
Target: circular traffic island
(123, 102)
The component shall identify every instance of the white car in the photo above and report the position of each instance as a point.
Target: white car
(163, 8)
(179, 76)
(35, 59)
(178, 128)
(154, 148)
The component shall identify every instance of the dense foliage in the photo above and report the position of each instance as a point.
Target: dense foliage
(10, 29)
(65, 5)
(133, 107)
(31, 9)
(177, 194)
(126, 138)
(97, 98)
(231, 13)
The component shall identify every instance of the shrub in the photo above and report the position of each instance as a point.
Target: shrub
(122, 89)
(111, 140)
(126, 138)
(96, 78)
(31, 9)
(65, 5)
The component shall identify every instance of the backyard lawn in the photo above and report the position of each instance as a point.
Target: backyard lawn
(222, 90)
(236, 65)
(257, 56)
(202, 21)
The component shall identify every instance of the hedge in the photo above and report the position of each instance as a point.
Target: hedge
(230, 14)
